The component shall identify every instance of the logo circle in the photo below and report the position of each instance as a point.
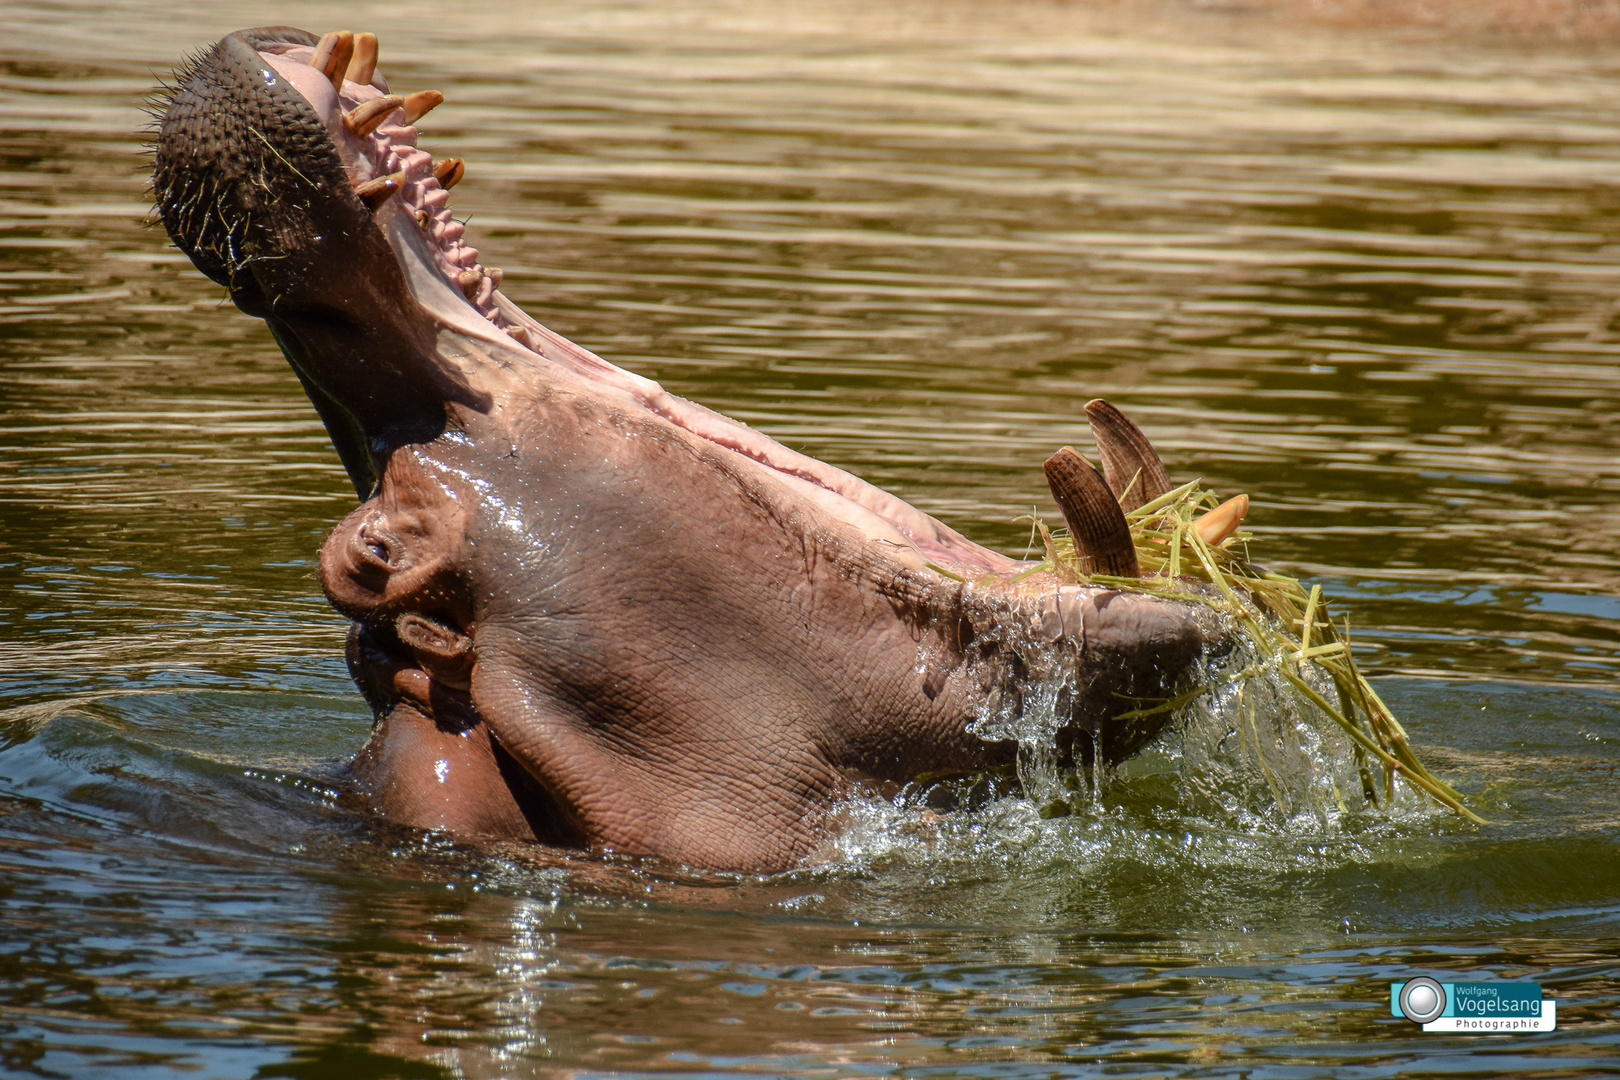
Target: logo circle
(1422, 1000)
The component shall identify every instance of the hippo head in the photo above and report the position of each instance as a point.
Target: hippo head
(586, 611)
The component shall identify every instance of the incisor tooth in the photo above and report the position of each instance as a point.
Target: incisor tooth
(363, 119)
(449, 172)
(376, 192)
(322, 56)
(421, 103)
(332, 54)
(364, 64)
(1223, 521)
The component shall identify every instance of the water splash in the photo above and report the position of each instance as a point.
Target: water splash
(1250, 771)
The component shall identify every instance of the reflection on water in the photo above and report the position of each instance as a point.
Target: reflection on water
(1371, 283)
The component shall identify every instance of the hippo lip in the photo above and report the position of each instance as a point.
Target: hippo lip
(526, 566)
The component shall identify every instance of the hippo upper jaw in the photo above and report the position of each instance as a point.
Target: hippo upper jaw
(592, 612)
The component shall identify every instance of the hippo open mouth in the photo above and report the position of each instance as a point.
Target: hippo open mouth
(586, 611)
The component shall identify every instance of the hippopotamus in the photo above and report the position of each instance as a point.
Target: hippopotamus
(586, 612)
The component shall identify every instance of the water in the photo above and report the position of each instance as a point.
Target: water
(1369, 280)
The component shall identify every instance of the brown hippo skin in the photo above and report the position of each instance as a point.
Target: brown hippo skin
(588, 612)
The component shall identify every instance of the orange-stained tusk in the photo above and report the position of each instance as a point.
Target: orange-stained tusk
(376, 192)
(364, 64)
(421, 103)
(449, 172)
(1222, 521)
(363, 119)
(331, 56)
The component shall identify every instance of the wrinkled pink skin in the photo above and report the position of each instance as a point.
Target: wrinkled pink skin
(589, 613)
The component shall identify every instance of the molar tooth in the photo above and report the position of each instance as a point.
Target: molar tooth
(421, 103)
(363, 119)
(331, 56)
(364, 64)
(469, 281)
(495, 275)
(376, 192)
(422, 219)
(449, 172)
(1102, 539)
(1222, 521)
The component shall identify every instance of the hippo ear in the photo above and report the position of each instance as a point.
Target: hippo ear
(1130, 464)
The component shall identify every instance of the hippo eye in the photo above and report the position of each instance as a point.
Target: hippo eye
(377, 546)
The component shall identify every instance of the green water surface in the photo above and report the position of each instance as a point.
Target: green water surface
(1373, 282)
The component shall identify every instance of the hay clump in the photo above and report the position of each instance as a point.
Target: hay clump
(1288, 625)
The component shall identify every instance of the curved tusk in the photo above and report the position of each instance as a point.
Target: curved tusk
(1102, 540)
(1135, 473)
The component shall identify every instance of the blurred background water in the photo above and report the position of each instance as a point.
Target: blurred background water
(1369, 279)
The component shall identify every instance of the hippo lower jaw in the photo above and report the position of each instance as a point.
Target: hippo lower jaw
(587, 611)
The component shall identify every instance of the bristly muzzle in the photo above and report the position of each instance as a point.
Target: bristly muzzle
(240, 158)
